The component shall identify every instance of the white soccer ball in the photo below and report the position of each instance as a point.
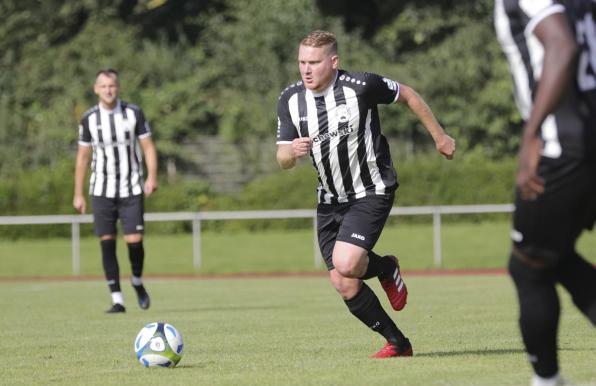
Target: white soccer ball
(159, 344)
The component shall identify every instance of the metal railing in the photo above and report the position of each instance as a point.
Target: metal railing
(197, 217)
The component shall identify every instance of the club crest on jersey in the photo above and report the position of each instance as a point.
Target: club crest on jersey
(342, 113)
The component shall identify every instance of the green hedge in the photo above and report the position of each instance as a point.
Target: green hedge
(50, 191)
(425, 180)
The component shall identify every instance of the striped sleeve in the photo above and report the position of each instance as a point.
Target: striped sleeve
(286, 130)
(84, 133)
(381, 90)
(142, 128)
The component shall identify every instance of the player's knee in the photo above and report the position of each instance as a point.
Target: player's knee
(347, 267)
(345, 287)
(350, 262)
(133, 238)
(528, 278)
(537, 256)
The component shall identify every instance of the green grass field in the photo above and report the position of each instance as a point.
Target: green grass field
(465, 245)
(273, 331)
(276, 331)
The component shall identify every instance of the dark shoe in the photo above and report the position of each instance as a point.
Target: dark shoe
(142, 296)
(395, 287)
(391, 350)
(116, 307)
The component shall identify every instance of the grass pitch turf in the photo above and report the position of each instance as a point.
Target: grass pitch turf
(276, 331)
(464, 245)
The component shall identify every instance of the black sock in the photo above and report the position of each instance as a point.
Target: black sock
(110, 264)
(366, 306)
(539, 315)
(579, 279)
(136, 255)
(377, 266)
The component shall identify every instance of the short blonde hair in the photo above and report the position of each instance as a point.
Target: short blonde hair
(321, 38)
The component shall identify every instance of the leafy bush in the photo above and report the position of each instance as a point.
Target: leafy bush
(425, 180)
(49, 191)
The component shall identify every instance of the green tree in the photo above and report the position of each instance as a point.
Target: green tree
(216, 67)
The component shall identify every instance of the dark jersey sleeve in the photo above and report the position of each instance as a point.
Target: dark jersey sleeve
(583, 15)
(84, 133)
(142, 128)
(286, 131)
(381, 90)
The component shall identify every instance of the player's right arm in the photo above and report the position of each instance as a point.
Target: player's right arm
(288, 154)
(560, 51)
(82, 162)
(291, 145)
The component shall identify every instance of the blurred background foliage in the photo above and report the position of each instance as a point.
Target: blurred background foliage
(214, 68)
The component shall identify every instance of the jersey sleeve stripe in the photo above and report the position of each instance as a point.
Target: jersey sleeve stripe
(536, 19)
(397, 92)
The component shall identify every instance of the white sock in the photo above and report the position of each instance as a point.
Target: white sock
(136, 280)
(117, 298)
(555, 380)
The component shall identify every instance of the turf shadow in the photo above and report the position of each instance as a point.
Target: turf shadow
(470, 352)
(230, 308)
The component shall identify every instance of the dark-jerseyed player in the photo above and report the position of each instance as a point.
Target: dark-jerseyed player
(115, 132)
(332, 116)
(555, 182)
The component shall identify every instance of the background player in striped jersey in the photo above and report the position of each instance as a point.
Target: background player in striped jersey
(332, 115)
(555, 187)
(112, 130)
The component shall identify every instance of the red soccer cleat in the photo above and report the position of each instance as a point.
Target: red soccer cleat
(395, 287)
(390, 350)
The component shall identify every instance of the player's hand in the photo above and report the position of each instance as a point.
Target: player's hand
(79, 203)
(446, 146)
(301, 146)
(530, 184)
(150, 186)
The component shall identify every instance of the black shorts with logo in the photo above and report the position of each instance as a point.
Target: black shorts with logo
(106, 211)
(359, 222)
(546, 229)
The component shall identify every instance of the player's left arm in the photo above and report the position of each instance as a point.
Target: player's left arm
(443, 142)
(150, 154)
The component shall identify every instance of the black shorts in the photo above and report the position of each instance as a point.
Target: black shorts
(547, 228)
(106, 212)
(359, 222)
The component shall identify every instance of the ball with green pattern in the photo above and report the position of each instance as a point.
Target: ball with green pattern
(159, 344)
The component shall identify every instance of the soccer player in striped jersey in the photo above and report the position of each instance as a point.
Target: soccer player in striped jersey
(115, 131)
(555, 185)
(332, 116)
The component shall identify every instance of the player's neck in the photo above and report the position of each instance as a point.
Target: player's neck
(108, 106)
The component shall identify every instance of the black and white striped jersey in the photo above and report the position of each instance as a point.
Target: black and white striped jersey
(349, 153)
(515, 20)
(582, 14)
(116, 169)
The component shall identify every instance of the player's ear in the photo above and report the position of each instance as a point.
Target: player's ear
(335, 61)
